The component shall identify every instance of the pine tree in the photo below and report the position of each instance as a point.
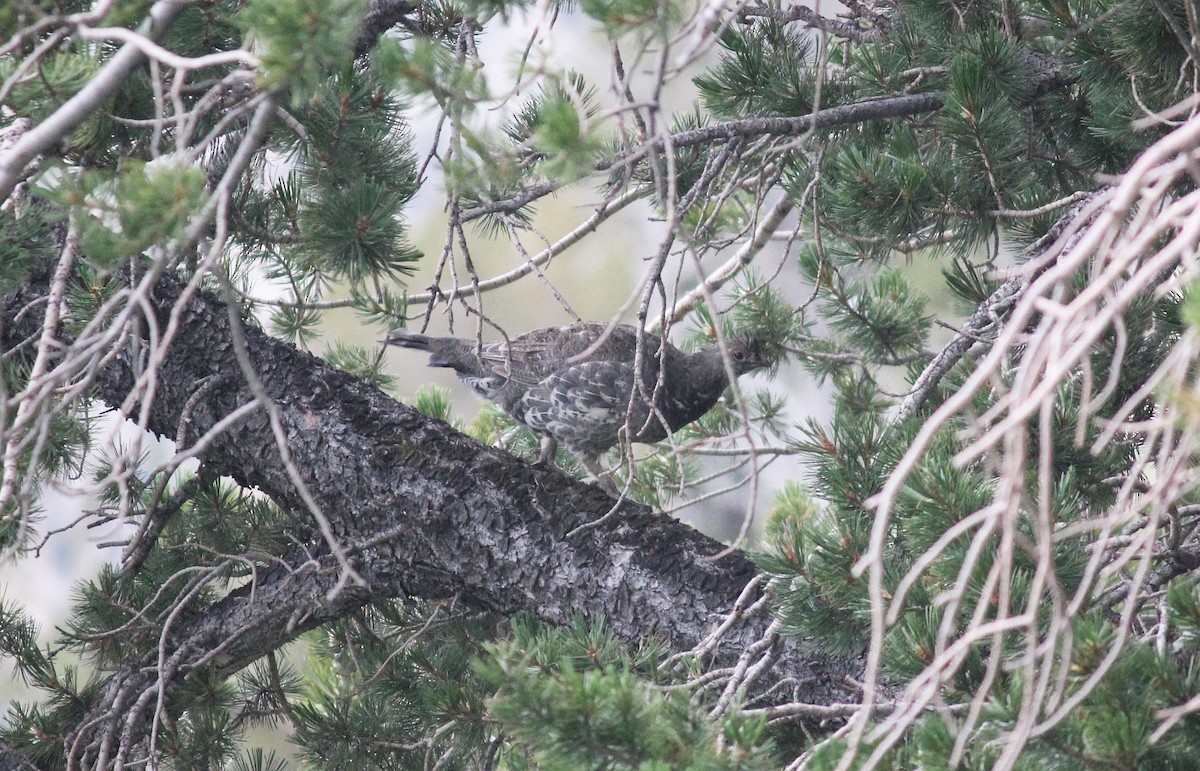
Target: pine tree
(987, 557)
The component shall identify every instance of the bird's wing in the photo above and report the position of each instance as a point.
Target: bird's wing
(534, 356)
(531, 357)
(521, 359)
(584, 405)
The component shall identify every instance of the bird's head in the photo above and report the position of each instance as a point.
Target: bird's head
(747, 354)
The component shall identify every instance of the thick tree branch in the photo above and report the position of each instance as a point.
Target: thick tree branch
(381, 16)
(424, 511)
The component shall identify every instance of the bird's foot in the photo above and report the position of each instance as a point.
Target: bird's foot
(548, 450)
(604, 477)
(609, 486)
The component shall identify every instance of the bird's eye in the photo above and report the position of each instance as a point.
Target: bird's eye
(739, 355)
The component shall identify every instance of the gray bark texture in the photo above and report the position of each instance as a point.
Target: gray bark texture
(423, 511)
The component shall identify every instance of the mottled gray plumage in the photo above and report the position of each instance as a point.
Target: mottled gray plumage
(575, 384)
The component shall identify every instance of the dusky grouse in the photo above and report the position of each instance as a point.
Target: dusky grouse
(570, 388)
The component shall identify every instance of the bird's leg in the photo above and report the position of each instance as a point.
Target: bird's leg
(603, 477)
(549, 448)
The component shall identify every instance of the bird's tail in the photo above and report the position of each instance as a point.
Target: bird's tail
(407, 339)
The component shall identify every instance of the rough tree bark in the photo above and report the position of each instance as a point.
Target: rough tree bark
(422, 511)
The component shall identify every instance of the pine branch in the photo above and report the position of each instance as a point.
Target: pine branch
(882, 108)
(87, 100)
(851, 30)
(989, 314)
(421, 510)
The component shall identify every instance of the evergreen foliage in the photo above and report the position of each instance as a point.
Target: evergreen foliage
(993, 220)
